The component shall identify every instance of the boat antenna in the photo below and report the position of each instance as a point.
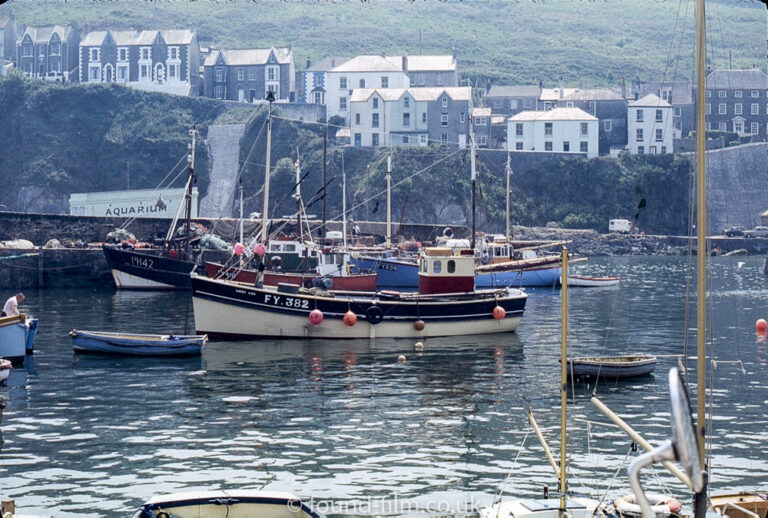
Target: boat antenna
(389, 201)
(265, 215)
(563, 381)
(190, 181)
(509, 174)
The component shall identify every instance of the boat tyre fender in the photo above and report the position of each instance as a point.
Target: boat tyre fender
(448, 232)
(276, 262)
(162, 514)
(661, 505)
(374, 315)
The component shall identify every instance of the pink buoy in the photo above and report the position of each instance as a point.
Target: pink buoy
(239, 249)
(350, 318)
(499, 313)
(761, 326)
(259, 250)
(315, 316)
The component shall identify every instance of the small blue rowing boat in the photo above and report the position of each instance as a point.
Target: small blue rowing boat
(131, 344)
(612, 367)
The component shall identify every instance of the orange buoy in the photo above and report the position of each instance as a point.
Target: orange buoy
(499, 313)
(315, 316)
(761, 326)
(419, 325)
(350, 318)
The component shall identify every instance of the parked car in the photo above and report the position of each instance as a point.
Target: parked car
(757, 232)
(734, 231)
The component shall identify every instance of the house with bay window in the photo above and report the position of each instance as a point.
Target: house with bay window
(246, 75)
(48, 52)
(156, 60)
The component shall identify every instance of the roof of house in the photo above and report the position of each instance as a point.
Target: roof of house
(681, 90)
(426, 63)
(593, 94)
(498, 119)
(735, 79)
(555, 114)
(481, 112)
(240, 57)
(368, 64)
(327, 63)
(43, 34)
(457, 93)
(651, 100)
(514, 91)
(553, 94)
(126, 38)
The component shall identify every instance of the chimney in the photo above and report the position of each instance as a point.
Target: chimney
(561, 88)
(541, 84)
(384, 55)
(488, 86)
(333, 62)
(637, 95)
(290, 48)
(453, 51)
(405, 62)
(581, 84)
(623, 88)
(309, 62)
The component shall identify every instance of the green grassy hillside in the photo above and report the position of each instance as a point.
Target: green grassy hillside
(510, 42)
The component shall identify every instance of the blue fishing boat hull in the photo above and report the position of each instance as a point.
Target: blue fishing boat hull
(545, 277)
(612, 367)
(136, 345)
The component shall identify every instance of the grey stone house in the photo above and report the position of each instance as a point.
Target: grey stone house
(48, 52)
(156, 60)
(737, 102)
(481, 126)
(511, 100)
(430, 71)
(8, 36)
(311, 83)
(608, 106)
(246, 75)
(676, 93)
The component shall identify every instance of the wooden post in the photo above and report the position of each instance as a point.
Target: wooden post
(8, 506)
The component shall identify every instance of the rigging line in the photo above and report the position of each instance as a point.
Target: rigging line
(514, 464)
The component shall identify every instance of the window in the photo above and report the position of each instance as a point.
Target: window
(342, 103)
(518, 146)
(94, 54)
(754, 109)
(443, 138)
(273, 74)
(55, 48)
(722, 109)
(375, 103)
(220, 74)
(438, 79)
(362, 83)
(640, 150)
(754, 128)
(666, 94)
(219, 91)
(406, 102)
(144, 53)
(437, 267)
(548, 129)
(709, 93)
(172, 71)
(123, 54)
(663, 150)
(444, 119)
(240, 74)
(406, 120)
(513, 104)
(357, 119)
(422, 139)
(252, 74)
(569, 104)
(607, 125)
(737, 93)
(584, 147)
(659, 135)
(584, 129)
(93, 74)
(358, 139)
(405, 139)
(482, 140)
(144, 71)
(548, 145)
(527, 103)
(566, 147)
(737, 109)
(375, 139)
(679, 125)
(678, 112)
(518, 130)
(122, 72)
(721, 94)
(755, 93)
(424, 117)
(318, 97)
(174, 53)
(444, 101)
(639, 134)
(709, 109)
(639, 116)
(451, 266)
(659, 116)
(481, 121)
(709, 126)
(462, 117)
(375, 120)
(738, 126)
(384, 82)
(652, 150)
(342, 83)
(722, 126)
(26, 50)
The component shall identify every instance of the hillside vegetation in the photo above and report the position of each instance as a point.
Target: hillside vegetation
(507, 42)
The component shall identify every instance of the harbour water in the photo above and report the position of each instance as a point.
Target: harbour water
(347, 427)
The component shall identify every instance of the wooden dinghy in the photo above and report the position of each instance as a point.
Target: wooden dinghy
(221, 504)
(741, 505)
(5, 369)
(591, 282)
(132, 344)
(611, 367)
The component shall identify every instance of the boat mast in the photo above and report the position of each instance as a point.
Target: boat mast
(241, 210)
(563, 380)
(473, 176)
(509, 173)
(190, 181)
(701, 235)
(343, 202)
(325, 191)
(265, 206)
(389, 201)
(297, 195)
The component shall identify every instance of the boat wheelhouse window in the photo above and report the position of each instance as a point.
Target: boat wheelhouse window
(423, 266)
(290, 248)
(437, 267)
(451, 266)
(274, 248)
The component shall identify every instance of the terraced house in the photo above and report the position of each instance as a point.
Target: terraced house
(156, 60)
(410, 116)
(737, 102)
(246, 75)
(48, 52)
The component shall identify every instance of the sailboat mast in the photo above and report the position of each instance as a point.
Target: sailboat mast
(265, 206)
(325, 190)
(241, 210)
(473, 177)
(297, 195)
(701, 227)
(190, 181)
(389, 201)
(343, 202)
(563, 380)
(509, 173)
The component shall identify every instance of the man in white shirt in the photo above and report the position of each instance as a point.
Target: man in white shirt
(11, 307)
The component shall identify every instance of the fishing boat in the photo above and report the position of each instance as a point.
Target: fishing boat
(222, 504)
(446, 304)
(5, 369)
(592, 282)
(134, 344)
(611, 367)
(17, 337)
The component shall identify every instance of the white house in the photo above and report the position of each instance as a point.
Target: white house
(360, 72)
(559, 130)
(649, 126)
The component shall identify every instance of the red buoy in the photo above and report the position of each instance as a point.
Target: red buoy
(350, 318)
(315, 316)
(419, 325)
(499, 313)
(761, 326)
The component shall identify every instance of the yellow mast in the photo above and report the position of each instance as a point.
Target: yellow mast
(563, 378)
(701, 226)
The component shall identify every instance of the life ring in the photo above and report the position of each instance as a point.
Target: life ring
(162, 514)
(448, 232)
(276, 262)
(661, 505)
(374, 314)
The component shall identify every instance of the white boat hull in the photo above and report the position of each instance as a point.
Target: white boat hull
(16, 337)
(126, 281)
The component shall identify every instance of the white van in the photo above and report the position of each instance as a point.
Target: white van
(622, 226)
